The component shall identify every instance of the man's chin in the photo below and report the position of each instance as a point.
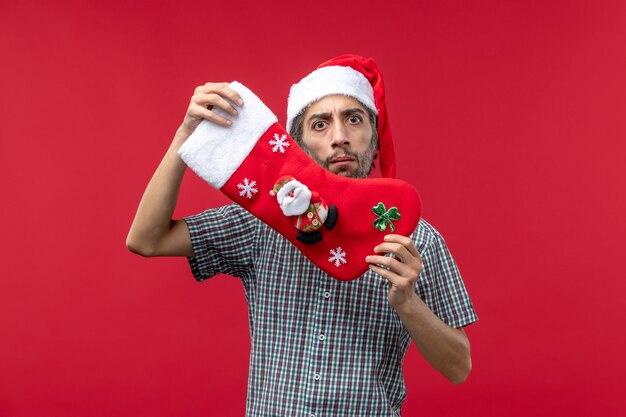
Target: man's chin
(349, 174)
(343, 172)
(352, 170)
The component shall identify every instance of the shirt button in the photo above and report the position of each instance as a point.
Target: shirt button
(322, 337)
(326, 294)
(311, 415)
(309, 215)
(316, 377)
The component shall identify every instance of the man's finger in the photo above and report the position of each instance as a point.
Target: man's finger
(392, 277)
(381, 260)
(221, 89)
(396, 249)
(203, 112)
(390, 264)
(404, 241)
(230, 94)
(215, 100)
(385, 273)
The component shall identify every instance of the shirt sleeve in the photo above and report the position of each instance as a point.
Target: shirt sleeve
(223, 241)
(440, 284)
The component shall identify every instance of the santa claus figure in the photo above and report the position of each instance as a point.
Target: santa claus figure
(307, 209)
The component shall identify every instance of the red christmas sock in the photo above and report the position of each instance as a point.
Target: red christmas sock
(334, 221)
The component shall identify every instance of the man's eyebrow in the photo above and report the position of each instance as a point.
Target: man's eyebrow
(319, 116)
(345, 112)
(353, 110)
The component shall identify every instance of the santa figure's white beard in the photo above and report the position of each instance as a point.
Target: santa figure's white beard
(294, 198)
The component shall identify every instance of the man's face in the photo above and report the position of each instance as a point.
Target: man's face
(337, 134)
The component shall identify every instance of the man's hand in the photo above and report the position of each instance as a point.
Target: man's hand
(401, 270)
(205, 98)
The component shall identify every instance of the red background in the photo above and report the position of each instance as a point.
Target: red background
(508, 117)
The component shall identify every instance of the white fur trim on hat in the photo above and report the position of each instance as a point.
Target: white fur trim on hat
(214, 152)
(327, 81)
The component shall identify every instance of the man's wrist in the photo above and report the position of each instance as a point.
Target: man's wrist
(181, 136)
(410, 304)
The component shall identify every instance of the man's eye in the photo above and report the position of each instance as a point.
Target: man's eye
(319, 125)
(354, 119)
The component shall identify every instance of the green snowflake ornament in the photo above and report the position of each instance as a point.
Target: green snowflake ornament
(385, 217)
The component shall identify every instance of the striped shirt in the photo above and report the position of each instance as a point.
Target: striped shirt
(319, 346)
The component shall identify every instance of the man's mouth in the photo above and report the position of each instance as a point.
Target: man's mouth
(341, 159)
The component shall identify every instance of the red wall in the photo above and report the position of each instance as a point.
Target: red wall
(509, 117)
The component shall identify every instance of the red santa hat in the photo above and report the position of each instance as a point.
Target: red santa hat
(353, 76)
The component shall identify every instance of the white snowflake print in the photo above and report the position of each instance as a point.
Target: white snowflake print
(338, 257)
(247, 188)
(279, 143)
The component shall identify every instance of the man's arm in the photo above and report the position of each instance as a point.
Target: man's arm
(153, 232)
(445, 348)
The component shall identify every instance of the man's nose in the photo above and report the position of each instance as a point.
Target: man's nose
(339, 136)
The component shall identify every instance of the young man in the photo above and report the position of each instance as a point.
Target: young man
(319, 346)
